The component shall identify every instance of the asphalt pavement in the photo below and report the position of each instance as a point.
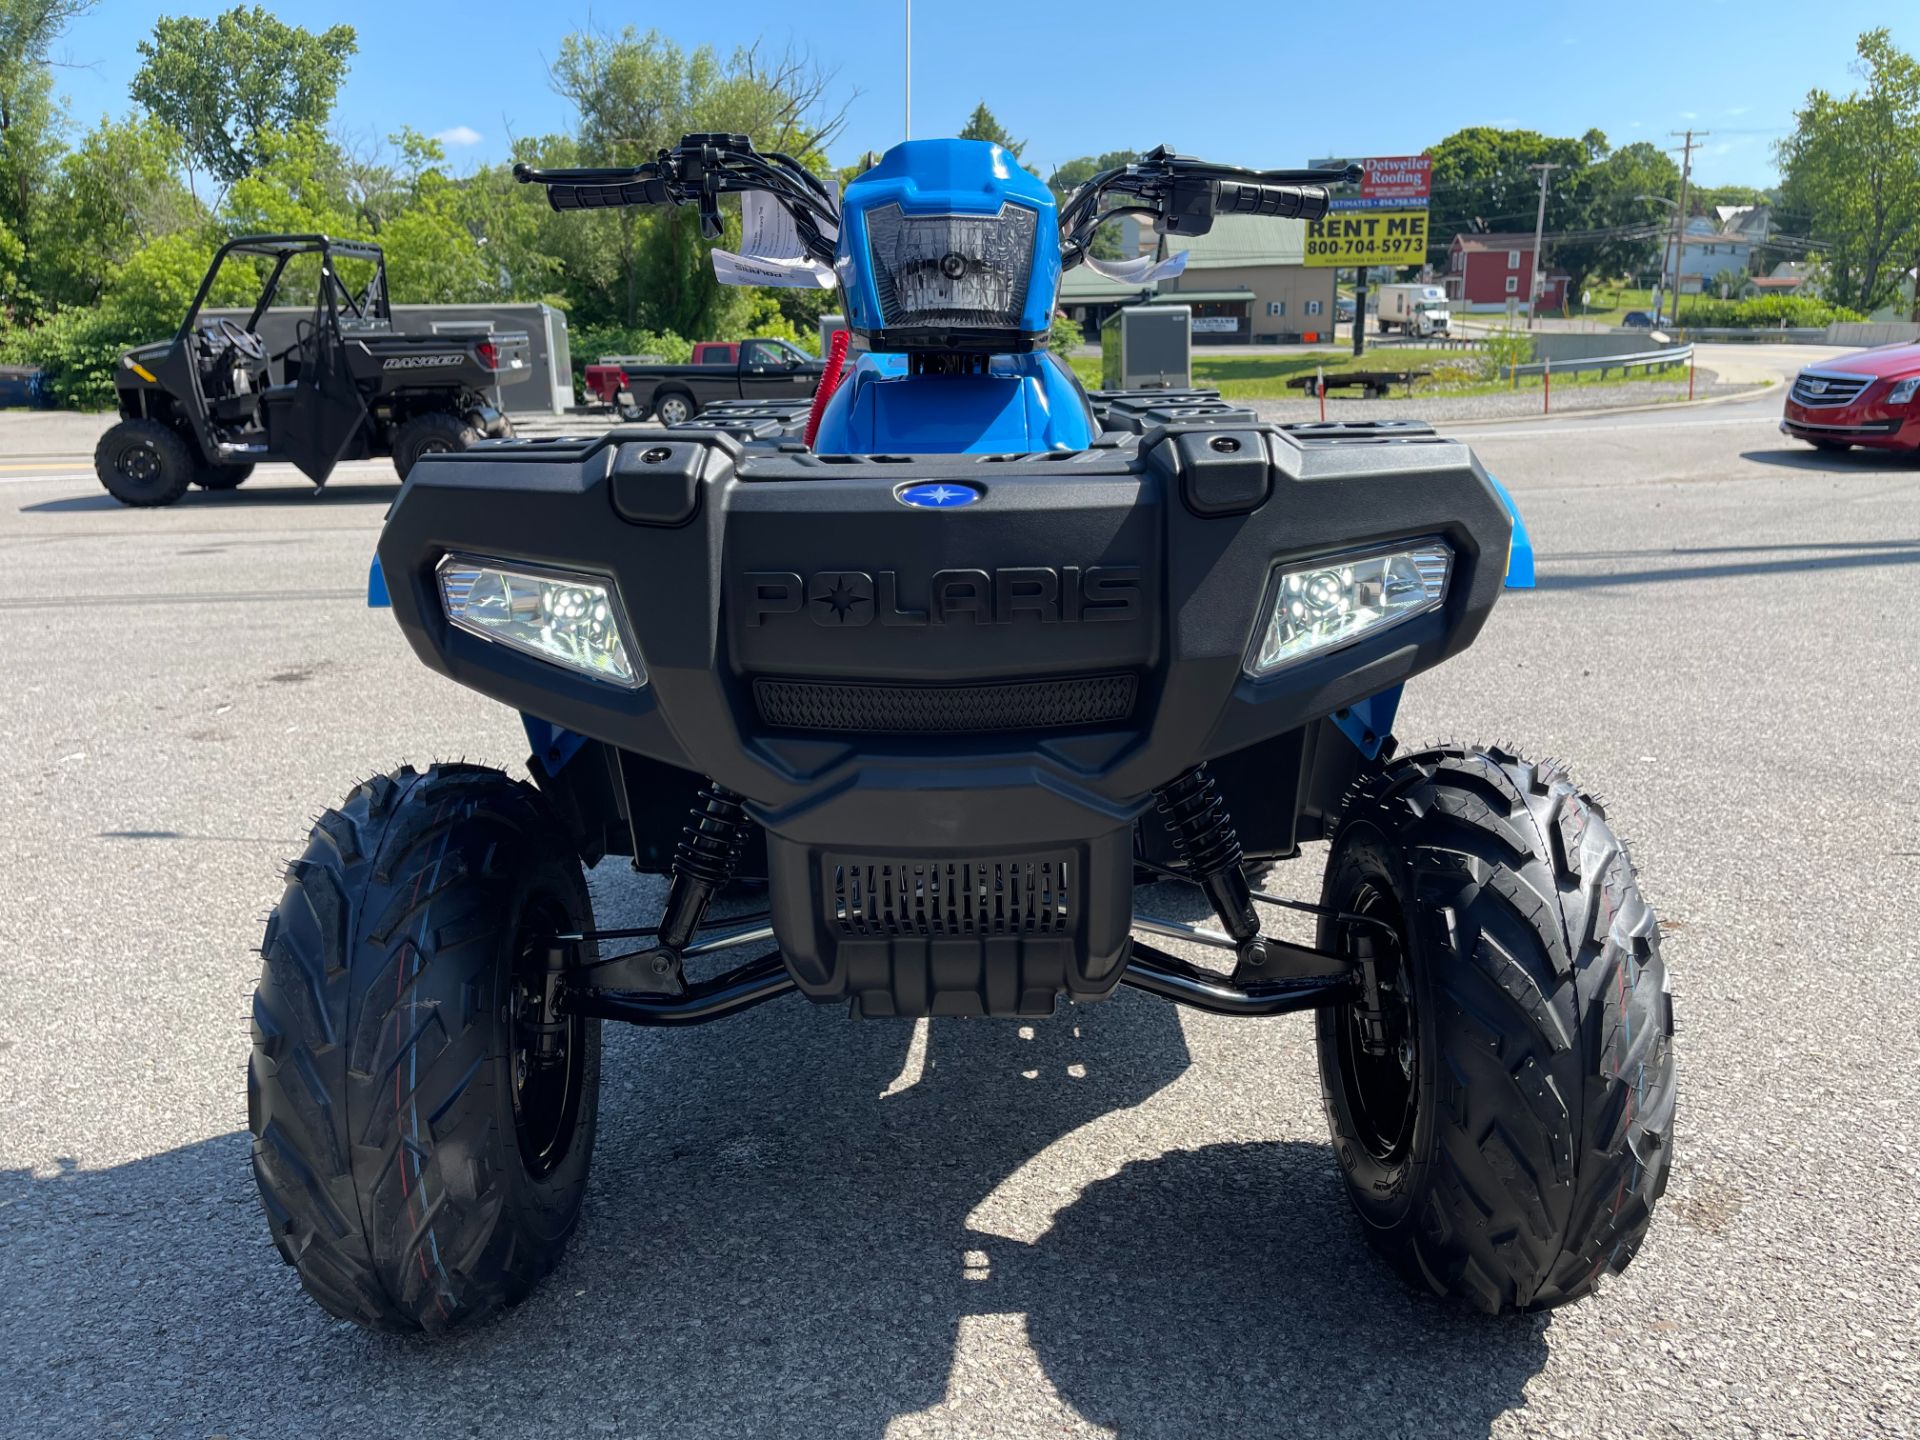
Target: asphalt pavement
(1123, 1221)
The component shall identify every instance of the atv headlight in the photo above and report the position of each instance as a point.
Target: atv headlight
(570, 620)
(1326, 603)
(961, 270)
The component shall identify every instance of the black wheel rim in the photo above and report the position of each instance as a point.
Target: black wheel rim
(1382, 1092)
(139, 463)
(546, 1091)
(435, 447)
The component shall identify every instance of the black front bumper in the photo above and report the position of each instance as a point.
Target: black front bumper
(947, 721)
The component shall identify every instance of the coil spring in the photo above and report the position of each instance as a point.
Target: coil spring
(714, 838)
(1197, 818)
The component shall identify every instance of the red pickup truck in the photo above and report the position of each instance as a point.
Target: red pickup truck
(720, 370)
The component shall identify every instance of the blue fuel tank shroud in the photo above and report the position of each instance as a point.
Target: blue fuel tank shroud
(946, 177)
(1020, 404)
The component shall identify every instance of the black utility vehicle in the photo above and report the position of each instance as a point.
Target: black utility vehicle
(208, 405)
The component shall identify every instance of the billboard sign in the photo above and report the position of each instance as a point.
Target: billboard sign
(1350, 238)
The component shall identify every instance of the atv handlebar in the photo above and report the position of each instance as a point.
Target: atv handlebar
(698, 171)
(1182, 194)
(1286, 202)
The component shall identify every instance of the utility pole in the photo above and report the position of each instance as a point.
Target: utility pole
(1686, 149)
(1539, 228)
(907, 124)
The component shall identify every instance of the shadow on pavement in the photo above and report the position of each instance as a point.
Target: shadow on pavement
(245, 498)
(780, 1239)
(1835, 462)
(1811, 557)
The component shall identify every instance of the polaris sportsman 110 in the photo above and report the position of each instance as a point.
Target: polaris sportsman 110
(953, 662)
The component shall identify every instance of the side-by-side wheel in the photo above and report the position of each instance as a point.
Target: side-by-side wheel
(223, 477)
(435, 433)
(1503, 1112)
(145, 463)
(422, 1116)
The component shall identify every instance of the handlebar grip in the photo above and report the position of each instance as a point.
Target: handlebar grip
(1285, 202)
(607, 197)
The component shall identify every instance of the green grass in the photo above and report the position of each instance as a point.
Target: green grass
(1241, 375)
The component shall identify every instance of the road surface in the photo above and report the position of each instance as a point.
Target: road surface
(1125, 1221)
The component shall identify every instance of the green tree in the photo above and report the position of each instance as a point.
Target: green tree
(982, 125)
(1618, 229)
(1481, 182)
(227, 83)
(30, 136)
(636, 93)
(1852, 167)
(116, 191)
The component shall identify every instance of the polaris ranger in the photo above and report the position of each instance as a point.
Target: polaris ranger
(951, 659)
(207, 406)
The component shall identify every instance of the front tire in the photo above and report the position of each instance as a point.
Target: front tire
(144, 463)
(435, 433)
(1509, 1145)
(418, 1169)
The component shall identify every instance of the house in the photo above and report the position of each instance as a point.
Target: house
(1707, 252)
(1753, 223)
(1494, 271)
(1245, 279)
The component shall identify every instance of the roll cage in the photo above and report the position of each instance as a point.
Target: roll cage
(369, 306)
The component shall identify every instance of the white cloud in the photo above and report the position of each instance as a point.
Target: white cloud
(1689, 115)
(1739, 109)
(458, 135)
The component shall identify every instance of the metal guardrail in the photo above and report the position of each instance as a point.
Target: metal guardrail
(1645, 359)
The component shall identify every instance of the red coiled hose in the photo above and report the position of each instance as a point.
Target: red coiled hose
(829, 382)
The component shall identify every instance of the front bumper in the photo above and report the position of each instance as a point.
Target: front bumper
(937, 714)
(1866, 422)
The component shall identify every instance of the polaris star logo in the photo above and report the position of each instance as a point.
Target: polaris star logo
(421, 362)
(1021, 594)
(936, 495)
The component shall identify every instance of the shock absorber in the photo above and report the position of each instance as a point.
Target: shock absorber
(703, 862)
(1209, 846)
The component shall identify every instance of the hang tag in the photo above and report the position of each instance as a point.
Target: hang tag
(1143, 270)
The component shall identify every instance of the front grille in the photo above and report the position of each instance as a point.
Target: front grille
(1814, 389)
(944, 709)
(873, 896)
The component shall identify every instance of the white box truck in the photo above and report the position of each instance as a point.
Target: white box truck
(1416, 309)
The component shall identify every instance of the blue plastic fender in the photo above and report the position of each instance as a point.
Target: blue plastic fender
(377, 596)
(1520, 548)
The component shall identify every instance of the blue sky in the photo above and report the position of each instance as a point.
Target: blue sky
(1253, 83)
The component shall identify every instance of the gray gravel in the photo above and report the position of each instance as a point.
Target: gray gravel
(1125, 1221)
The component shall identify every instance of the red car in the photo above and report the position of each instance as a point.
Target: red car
(1871, 397)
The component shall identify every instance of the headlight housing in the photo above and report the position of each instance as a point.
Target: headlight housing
(966, 271)
(1319, 605)
(574, 621)
(1903, 390)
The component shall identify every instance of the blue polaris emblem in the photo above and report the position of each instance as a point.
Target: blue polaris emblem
(937, 495)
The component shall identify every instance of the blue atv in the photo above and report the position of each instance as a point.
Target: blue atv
(957, 660)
